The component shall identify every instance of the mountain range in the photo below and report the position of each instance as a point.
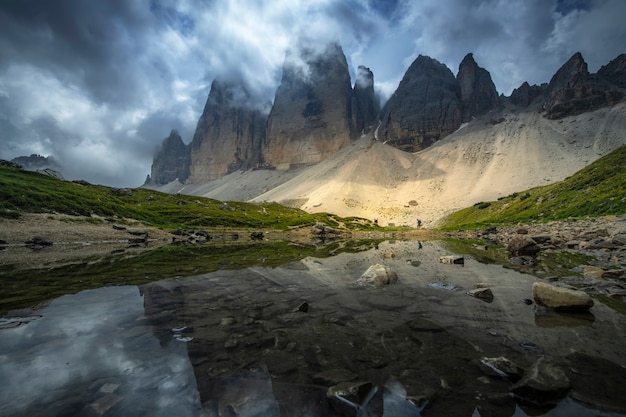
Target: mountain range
(441, 142)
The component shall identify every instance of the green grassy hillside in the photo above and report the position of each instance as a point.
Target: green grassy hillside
(597, 190)
(31, 192)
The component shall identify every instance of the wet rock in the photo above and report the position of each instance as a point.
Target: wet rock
(501, 367)
(352, 399)
(484, 294)
(558, 298)
(304, 307)
(118, 227)
(38, 242)
(544, 383)
(452, 259)
(3, 244)
(378, 275)
(257, 236)
(522, 245)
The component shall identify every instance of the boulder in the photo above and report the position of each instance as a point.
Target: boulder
(522, 245)
(378, 275)
(558, 298)
(320, 229)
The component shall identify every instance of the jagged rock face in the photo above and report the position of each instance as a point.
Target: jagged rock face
(478, 93)
(425, 108)
(228, 136)
(171, 161)
(525, 94)
(615, 71)
(572, 90)
(365, 104)
(310, 118)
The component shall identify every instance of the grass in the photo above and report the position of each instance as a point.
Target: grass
(31, 192)
(597, 190)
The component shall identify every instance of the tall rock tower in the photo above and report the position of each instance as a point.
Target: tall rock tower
(229, 134)
(425, 107)
(365, 104)
(310, 118)
(478, 93)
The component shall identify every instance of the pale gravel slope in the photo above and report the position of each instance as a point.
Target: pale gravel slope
(480, 162)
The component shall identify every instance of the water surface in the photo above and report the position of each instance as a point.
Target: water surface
(270, 341)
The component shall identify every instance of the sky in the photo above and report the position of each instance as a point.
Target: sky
(98, 84)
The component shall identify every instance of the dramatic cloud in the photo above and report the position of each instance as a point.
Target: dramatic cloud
(99, 84)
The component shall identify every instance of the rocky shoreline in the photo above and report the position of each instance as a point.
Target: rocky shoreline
(599, 245)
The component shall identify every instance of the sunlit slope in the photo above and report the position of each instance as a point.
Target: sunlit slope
(597, 190)
(489, 158)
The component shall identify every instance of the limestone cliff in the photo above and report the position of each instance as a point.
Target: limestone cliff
(228, 136)
(478, 93)
(171, 161)
(310, 118)
(425, 107)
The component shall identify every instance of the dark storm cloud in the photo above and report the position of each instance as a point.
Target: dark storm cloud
(99, 84)
(89, 43)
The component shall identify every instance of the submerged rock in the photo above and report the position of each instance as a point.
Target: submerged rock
(378, 275)
(544, 383)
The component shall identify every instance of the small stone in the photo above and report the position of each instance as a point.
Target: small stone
(484, 294)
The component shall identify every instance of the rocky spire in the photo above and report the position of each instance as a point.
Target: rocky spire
(478, 93)
(171, 161)
(229, 133)
(310, 118)
(365, 104)
(425, 107)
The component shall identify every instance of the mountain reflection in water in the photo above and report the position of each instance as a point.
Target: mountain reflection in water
(303, 340)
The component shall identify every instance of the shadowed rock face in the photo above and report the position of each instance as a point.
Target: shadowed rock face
(478, 93)
(525, 94)
(310, 119)
(615, 71)
(572, 90)
(171, 161)
(425, 108)
(229, 134)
